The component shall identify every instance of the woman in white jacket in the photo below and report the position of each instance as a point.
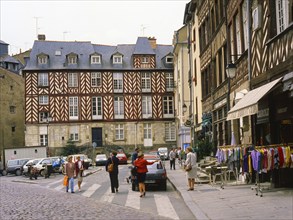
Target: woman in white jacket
(191, 162)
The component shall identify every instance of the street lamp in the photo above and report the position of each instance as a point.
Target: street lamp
(48, 120)
(231, 72)
(184, 107)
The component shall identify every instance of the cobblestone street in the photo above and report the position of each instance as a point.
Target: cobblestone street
(29, 201)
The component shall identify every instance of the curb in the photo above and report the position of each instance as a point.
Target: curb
(92, 172)
(196, 211)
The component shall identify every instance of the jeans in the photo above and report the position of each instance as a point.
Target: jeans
(70, 184)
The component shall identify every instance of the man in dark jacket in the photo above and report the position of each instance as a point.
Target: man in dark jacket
(114, 174)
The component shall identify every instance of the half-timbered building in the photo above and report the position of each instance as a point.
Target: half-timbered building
(99, 95)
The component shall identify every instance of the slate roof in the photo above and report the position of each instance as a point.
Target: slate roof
(85, 49)
(2, 42)
(8, 59)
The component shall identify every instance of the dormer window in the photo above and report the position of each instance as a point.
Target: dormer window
(169, 59)
(145, 60)
(96, 59)
(117, 59)
(42, 59)
(72, 59)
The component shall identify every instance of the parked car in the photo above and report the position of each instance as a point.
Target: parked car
(15, 166)
(44, 166)
(26, 165)
(101, 159)
(83, 157)
(163, 153)
(2, 170)
(122, 158)
(156, 175)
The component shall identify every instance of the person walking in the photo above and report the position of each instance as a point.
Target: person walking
(114, 174)
(133, 158)
(142, 169)
(172, 156)
(69, 171)
(79, 167)
(191, 162)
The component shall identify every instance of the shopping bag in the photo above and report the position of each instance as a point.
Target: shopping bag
(65, 180)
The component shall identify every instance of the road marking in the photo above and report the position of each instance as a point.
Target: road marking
(108, 196)
(58, 181)
(91, 190)
(164, 207)
(133, 199)
(60, 187)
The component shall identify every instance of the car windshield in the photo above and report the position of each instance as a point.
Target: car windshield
(23, 161)
(155, 166)
(101, 156)
(12, 162)
(120, 155)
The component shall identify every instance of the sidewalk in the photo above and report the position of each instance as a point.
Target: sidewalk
(232, 202)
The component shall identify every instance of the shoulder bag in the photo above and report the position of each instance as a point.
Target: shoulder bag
(111, 166)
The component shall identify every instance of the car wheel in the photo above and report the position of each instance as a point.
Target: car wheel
(42, 172)
(164, 186)
(4, 172)
(17, 172)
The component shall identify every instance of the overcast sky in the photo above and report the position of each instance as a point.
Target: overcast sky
(108, 22)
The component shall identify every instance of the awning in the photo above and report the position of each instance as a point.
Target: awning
(248, 104)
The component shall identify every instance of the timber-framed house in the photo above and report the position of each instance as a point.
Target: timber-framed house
(99, 95)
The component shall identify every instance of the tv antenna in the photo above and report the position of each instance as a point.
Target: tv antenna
(37, 25)
(64, 33)
(142, 29)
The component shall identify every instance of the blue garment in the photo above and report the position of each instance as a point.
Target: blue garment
(70, 184)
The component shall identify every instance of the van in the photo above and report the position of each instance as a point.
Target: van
(163, 153)
(15, 166)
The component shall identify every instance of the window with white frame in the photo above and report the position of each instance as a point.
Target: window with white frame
(147, 131)
(72, 59)
(118, 82)
(43, 59)
(73, 108)
(146, 106)
(118, 107)
(146, 82)
(97, 107)
(43, 131)
(73, 133)
(145, 60)
(95, 59)
(169, 59)
(72, 80)
(43, 79)
(43, 99)
(168, 106)
(43, 116)
(245, 24)
(282, 13)
(119, 132)
(117, 59)
(96, 79)
(169, 81)
(238, 35)
(44, 140)
(170, 131)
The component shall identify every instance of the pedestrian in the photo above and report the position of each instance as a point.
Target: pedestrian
(191, 162)
(79, 168)
(142, 169)
(114, 174)
(69, 171)
(179, 156)
(172, 157)
(133, 158)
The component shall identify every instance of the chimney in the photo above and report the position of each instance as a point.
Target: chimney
(41, 37)
(153, 42)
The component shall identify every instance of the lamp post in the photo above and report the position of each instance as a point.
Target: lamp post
(48, 120)
(231, 72)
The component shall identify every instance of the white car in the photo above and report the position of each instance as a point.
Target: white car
(32, 162)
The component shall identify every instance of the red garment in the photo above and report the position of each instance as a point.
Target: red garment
(141, 165)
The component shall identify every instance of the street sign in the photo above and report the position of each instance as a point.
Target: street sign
(94, 144)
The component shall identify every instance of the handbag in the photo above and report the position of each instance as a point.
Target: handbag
(65, 180)
(134, 171)
(110, 167)
(188, 167)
